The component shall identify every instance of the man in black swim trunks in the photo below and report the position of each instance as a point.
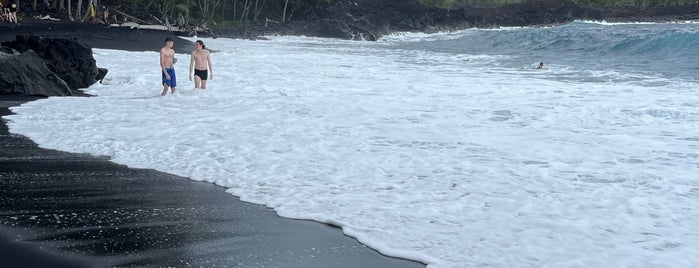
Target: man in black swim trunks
(201, 63)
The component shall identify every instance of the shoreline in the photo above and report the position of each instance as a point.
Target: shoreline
(77, 210)
(137, 45)
(368, 21)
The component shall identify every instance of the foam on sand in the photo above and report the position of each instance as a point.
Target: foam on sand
(438, 161)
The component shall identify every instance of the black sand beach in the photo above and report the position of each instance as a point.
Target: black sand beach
(61, 209)
(96, 35)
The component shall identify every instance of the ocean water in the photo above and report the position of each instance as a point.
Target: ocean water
(448, 148)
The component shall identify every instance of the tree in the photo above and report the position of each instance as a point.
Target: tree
(286, 4)
(70, 14)
(79, 8)
(246, 9)
(259, 7)
(183, 9)
(208, 8)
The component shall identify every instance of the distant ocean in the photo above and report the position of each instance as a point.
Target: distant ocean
(447, 148)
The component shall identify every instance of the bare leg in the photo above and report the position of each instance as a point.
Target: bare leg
(203, 84)
(197, 81)
(173, 90)
(164, 90)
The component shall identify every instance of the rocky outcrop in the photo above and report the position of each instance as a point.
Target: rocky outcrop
(527, 14)
(50, 65)
(27, 74)
(370, 19)
(652, 13)
(366, 19)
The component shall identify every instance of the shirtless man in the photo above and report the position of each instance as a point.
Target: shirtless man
(201, 62)
(167, 61)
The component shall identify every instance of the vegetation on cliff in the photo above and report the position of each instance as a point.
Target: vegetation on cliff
(222, 13)
(586, 3)
(183, 12)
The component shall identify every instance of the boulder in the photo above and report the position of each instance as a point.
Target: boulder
(101, 73)
(27, 74)
(71, 60)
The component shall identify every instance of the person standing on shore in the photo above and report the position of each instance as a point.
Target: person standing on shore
(167, 24)
(201, 63)
(167, 62)
(105, 15)
(93, 19)
(13, 13)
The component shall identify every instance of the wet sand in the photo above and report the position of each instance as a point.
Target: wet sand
(60, 209)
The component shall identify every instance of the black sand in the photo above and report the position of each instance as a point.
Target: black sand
(61, 209)
(96, 35)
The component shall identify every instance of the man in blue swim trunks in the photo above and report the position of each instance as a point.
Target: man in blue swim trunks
(167, 62)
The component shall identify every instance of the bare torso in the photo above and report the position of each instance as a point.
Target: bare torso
(201, 59)
(166, 57)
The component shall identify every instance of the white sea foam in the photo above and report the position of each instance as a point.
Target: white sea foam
(607, 23)
(604, 22)
(442, 35)
(421, 37)
(441, 162)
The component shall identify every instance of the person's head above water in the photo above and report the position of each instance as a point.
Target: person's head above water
(169, 43)
(201, 43)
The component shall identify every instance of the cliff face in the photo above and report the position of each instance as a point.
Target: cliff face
(363, 19)
(370, 19)
(652, 13)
